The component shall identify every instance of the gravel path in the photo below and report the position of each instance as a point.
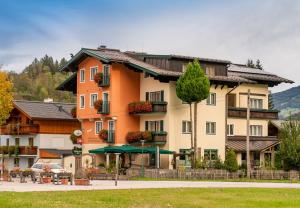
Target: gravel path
(107, 185)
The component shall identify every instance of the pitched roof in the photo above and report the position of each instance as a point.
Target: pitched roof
(45, 110)
(238, 143)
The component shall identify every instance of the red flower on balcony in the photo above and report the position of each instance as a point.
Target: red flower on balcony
(103, 134)
(98, 77)
(137, 136)
(140, 107)
(98, 104)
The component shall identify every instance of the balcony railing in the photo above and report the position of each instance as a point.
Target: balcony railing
(18, 150)
(147, 107)
(105, 82)
(111, 136)
(158, 137)
(104, 109)
(254, 113)
(18, 129)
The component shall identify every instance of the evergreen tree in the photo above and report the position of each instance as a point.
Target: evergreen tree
(230, 161)
(258, 65)
(193, 87)
(250, 63)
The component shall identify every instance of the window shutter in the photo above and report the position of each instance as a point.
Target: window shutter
(162, 95)
(183, 127)
(161, 125)
(146, 125)
(147, 96)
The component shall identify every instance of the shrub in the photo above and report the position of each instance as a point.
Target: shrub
(230, 161)
(98, 104)
(103, 134)
(218, 163)
(98, 77)
(140, 107)
(73, 112)
(137, 136)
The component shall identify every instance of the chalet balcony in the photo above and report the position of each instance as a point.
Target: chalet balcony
(150, 137)
(18, 150)
(105, 82)
(104, 108)
(234, 112)
(19, 129)
(147, 107)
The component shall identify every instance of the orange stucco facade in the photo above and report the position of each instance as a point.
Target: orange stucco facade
(124, 88)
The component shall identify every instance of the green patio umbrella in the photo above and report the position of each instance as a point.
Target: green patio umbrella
(117, 149)
(152, 150)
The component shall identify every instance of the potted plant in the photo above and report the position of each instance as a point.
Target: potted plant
(103, 134)
(98, 104)
(46, 178)
(81, 178)
(64, 181)
(140, 107)
(137, 136)
(73, 112)
(98, 77)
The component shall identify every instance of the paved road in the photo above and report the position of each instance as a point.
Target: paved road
(107, 185)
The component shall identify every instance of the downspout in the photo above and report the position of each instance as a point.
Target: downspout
(226, 110)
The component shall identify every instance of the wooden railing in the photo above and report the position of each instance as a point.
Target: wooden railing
(254, 113)
(28, 150)
(18, 150)
(17, 129)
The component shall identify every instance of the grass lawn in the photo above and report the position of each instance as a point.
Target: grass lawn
(149, 198)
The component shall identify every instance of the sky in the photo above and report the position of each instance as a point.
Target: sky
(268, 30)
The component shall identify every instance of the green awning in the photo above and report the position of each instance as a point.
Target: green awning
(129, 149)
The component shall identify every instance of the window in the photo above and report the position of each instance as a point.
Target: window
(155, 96)
(93, 99)
(256, 103)
(186, 127)
(16, 162)
(93, 71)
(30, 141)
(231, 100)
(211, 154)
(154, 125)
(255, 130)
(210, 127)
(30, 162)
(17, 141)
(7, 142)
(230, 129)
(82, 75)
(82, 101)
(105, 69)
(210, 71)
(211, 100)
(98, 126)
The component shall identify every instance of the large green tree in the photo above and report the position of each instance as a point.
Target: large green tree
(193, 87)
(290, 144)
(6, 97)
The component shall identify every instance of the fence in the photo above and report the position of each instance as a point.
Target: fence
(214, 174)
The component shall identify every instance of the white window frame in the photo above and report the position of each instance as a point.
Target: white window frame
(98, 122)
(209, 129)
(256, 130)
(184, 124)
(230, 130)
(92, 103)
(82, 107)
(82, 78)
(91, 68)
(210, 101)
(105, 92)
(256, 103)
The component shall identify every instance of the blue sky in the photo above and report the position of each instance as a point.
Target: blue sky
(233, 30)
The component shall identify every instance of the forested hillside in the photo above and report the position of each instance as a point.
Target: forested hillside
(39, 80)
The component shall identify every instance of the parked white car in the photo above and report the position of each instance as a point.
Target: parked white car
(54, 168)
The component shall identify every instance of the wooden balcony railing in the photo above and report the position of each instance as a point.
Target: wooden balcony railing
(147, 107)
(28, 150)
(18, 129)
(159, 137)
(254, 113)
(18, 150)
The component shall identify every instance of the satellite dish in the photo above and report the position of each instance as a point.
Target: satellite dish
(78, 133)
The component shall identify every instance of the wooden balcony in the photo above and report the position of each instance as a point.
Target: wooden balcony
(147, 107)
(19, 129)
(159, 137)
(254, 113)
(28, 150)
(153, 137)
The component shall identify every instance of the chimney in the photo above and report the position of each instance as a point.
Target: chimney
(102, 47)
(60, 108)
(48, 100)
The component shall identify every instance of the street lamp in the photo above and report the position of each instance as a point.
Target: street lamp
(117, 168)
(142, 170)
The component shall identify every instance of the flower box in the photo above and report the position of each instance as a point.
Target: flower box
(82, 182)
(64, 181)
(46, 179)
